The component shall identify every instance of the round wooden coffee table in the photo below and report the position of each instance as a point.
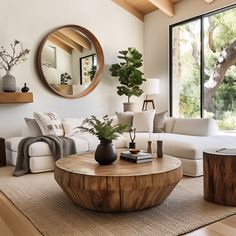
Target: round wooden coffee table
(219, 168)
(121, 186)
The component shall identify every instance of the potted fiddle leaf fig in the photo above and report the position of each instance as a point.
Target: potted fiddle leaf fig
(130, 76)
(106, 132)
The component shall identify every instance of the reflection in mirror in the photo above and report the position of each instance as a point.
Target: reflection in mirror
(88, 67)
(49, 56)
(70, 60)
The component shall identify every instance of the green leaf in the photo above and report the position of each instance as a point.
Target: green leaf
(123, 52)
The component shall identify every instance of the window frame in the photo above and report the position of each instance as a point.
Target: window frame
(171, 27)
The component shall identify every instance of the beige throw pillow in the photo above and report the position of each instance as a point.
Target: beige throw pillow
(71, 125)
(159, 122)
(143, 121)
(125, 117)
(169, 124)
(33, 126)
(49, 123)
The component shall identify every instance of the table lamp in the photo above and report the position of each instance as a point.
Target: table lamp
(150, 87)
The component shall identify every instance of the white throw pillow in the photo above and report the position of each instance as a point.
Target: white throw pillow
(115, 119)
(159, 122)
(49, 123)
(71, 125)
(169, 124)
(33, 126)
(125, 117)
(143, 121)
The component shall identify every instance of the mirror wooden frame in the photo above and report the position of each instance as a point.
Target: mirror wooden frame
(100, 61)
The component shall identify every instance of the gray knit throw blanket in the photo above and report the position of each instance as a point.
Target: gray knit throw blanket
(59, 146)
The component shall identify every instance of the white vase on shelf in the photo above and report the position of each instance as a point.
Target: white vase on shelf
(8, 82)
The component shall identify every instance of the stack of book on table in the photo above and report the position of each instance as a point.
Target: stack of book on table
(140, 157)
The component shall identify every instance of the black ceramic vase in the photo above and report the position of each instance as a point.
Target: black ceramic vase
(25, 89)
(105, 153)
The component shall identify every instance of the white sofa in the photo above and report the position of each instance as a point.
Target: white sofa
(183, 138)
(186, 139)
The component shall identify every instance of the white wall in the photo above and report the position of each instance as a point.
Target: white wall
(156, 28)
(29, 21)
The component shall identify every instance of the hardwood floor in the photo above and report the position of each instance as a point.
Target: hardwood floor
(13, 223)
(226, 227)
(4, 229)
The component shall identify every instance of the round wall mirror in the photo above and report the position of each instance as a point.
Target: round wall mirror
(70, 61)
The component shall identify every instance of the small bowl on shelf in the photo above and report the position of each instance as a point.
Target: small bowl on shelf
(134, 150)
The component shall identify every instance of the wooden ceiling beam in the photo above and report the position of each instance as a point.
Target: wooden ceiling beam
(60, 44)
(130, 9)
(164, 5)
(76, 37)
(68, 41)
(209, 1)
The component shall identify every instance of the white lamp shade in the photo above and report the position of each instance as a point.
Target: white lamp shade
(151, 86)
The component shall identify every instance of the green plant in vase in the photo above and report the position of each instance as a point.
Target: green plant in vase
(130, 76)
(9, 60)
(105, 131)
(65, 77)
(92, 72)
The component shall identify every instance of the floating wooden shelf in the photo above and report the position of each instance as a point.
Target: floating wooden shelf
(16, 97)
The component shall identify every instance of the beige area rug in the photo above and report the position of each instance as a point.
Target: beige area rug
(40, 199)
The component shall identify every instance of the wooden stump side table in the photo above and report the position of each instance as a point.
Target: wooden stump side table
(219, 169)
(119, 187)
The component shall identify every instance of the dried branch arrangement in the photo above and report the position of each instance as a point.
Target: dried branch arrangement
(17, 55)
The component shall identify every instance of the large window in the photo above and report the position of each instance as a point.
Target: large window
(202, 68)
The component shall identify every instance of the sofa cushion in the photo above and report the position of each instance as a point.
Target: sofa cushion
(185, 146)
(49, 123)
(192, 147)
(169, 124)
(125, 117)
(71, 125)
(93, 141)
(196, 127)
(12, 143)
(114, 119)
(143, 121)
(42, 148)
(192, 168)
(33, 126)
(41, 164)
(159, 122)
(11, 157)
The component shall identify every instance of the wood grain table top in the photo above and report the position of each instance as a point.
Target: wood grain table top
(85, 164)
